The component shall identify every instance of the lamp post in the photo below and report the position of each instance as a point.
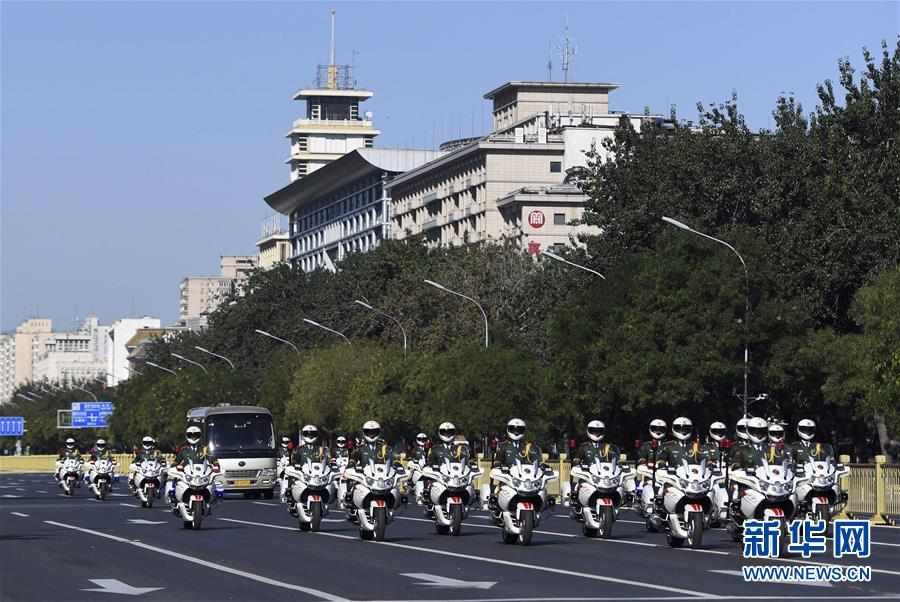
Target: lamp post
(25, 397)
(130, 369)
(158, 367)
(323, 327)
(687, 228)
(279, 339)
(452, 292)
(562, 259)
(388, 316)
(80, 388)
(208, 352)
(189, 361)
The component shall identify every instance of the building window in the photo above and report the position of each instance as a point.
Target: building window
(303, 143)
(370, 142)
(555, 166)
(559, 219)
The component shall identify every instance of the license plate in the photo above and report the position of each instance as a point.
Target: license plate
(315, 498)
(604, 501)
(775, 512)
(455, 499)
(379, 503)
(526, 506)
(242, 483)
(694, 507)
(197, 498)
(822, 500)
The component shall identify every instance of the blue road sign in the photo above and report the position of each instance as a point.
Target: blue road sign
(12, 426)
(91, 414)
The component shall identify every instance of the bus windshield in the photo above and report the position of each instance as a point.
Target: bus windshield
(240, 432)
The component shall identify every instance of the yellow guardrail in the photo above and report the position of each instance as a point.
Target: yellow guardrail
(48, 463)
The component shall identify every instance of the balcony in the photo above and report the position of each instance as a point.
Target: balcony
(354, 123)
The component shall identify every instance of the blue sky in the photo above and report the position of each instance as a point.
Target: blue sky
(138, 138)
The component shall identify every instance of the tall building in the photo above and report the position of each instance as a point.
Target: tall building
(342, 207)
(120, 333)
(274, 246)
(201, 295)
(74, 356)
(7, 367)
(514, 183)
(29, 344)
(332, 125)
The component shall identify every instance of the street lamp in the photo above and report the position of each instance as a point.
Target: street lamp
(323, 327)
(279, 339)
(32, 396)
(80, 388)
(388, 316)
(221, 357)
(130, 369)
(684, 226)
(447, 290)
(25, 397)
(158, 367)
(184, 359)
(562, 259)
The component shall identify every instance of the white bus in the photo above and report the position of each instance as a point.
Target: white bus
(242, 438)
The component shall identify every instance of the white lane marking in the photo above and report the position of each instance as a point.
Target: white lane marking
(41, 491)
(206, 563)
(796, 561)
(520, 565)
(652, 598)
(114, 586)
(429, 580)
(22, 514)
(265, 503)
(129, 505)
(20, 489)
(142, 521)
(702, 551)
(779, 581)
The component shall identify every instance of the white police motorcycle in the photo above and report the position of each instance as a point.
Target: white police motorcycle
(149, 479)
(311, 492)
(375, 497)
(197, 489)
(819, 496)
(687, 502)
(521, 498)
(600, 489)
(450, 494)
(100, 476)
(70, 474)
(767, 493)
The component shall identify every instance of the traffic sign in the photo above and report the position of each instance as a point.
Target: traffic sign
(12, 426)
(92, 406)
(91, 415)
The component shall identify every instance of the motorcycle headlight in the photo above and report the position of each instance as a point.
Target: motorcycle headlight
(607, 482)
(457, 481)
(683, 483)
(200, 481)
(267, 472)
(823, 482)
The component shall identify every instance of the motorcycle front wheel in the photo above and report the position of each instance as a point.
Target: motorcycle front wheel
(527, 527)
(197, 511)
(104, 490)
(148, 493)
(695, 530)
(379, 518)
(607, 518)
(316, 512)
(455, 519)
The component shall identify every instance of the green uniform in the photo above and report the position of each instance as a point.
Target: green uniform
(144, 455)
(283, 452)
(589, 451)
(68, 454)
(340, 453)
(447, 451)
(645, 452)
(746, 455)
(674, 453)
(378, 452)
(311, 452)
(509, 451)
(97, 454)
(714, 454)
(417, 453)
(777, 453)
(806, 451)
(193, 453)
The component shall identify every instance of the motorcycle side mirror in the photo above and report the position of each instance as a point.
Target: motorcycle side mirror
(670, 470)
(751, 472)
(838, 467)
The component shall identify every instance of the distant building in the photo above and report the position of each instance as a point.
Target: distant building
(7, 367)
(29, 346)
(72, 357)
(512, 184)
(201, 295)
(333, 125)
(274, 246)
(342, 207)
(120, 333)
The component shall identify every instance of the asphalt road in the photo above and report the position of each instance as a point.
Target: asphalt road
(58, 548)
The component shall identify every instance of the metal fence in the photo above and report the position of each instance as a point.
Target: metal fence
(860, 486)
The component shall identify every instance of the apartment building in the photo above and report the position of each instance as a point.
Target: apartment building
(201, 295)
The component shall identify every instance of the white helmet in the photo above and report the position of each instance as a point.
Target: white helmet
(148, 442)
(595, 430)
(101, 444)
(285, 441)
(741, 429)
(371, 431)
(776, 433)
(658, 428)
(717, 431)
(341, 442)
(310, 434)
(447, 431)
(421, 439)
(757, 429)
(806, 428)
(515, 429)
(70, 443)
(682, 428)
(192, 434)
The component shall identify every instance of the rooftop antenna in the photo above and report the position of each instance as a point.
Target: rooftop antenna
(331, 62)
(550, 61)
(332, 68)
(567, 51)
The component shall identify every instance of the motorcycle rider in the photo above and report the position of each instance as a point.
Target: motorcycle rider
(589, 451)
(372, 448)
(309, 449)
(776, 450)
(715, 451)
(283, 456)
(420, 449)
(712, 448)
(192, 451)
(513, 448)
(445, 449)
(68, 452)
(751, 453)
(681, 448)
(807, 448)
(649, 455)
(340, 448)
(147, 452)
(99, 452)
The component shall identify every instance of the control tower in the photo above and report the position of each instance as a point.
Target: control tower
(333, 125)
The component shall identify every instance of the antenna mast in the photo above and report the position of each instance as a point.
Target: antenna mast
(567, 52)
(550, 61)
(331, 62)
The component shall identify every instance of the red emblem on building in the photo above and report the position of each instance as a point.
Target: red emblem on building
(536, 219)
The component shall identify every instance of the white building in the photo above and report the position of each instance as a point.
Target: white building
(201, 295)
(78, 356)
(120, 333)
(274, 245)
(29, 346)
(7, 367)
(332, 125)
